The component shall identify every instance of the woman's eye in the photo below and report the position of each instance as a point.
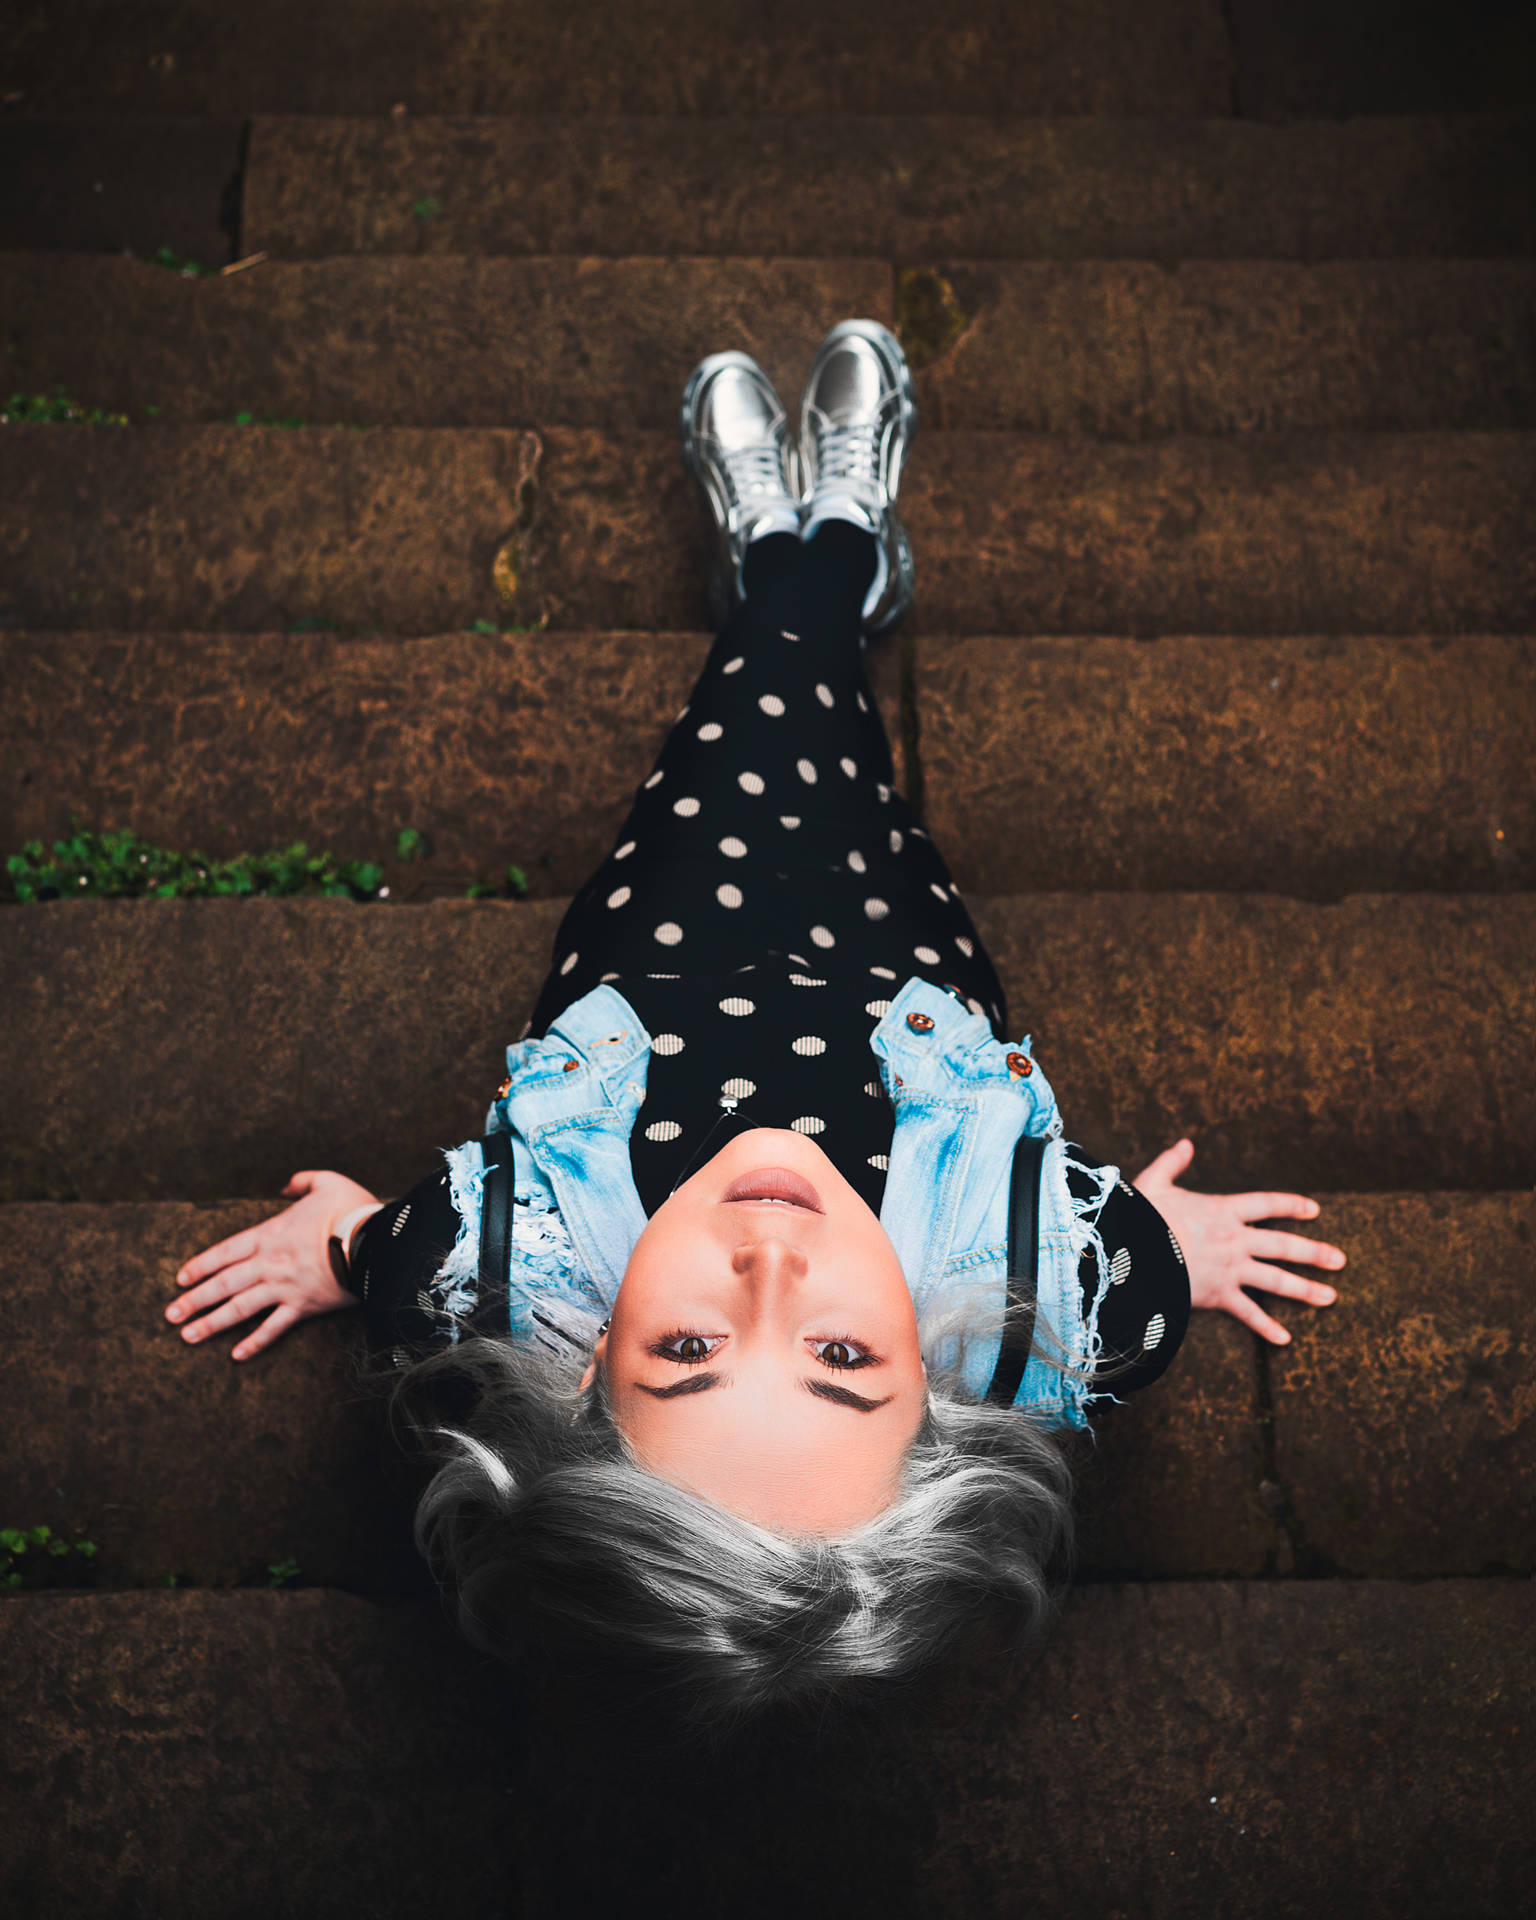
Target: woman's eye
(692, 1349)
(842, 1353)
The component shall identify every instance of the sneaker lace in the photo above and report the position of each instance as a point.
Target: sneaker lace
(752, 471)
(847, 450)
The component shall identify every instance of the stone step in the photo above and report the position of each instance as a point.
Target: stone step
(1429, 1470)
(1126, 350)
(500, 748)
(1308, 766)
(387, 342)
(894, 186)
(1303, 766)
(583, 57)
(1236, 1712)
(1384, 1042)
(415, 531)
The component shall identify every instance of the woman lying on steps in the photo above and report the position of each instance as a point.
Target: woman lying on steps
(747, 1407)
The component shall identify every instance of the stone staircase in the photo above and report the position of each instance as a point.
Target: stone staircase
(1219, 697)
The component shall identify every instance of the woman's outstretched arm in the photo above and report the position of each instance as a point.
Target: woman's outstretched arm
(1225, 1252)
(283, 1264)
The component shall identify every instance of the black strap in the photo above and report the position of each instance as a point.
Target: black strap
(1023, 1271)
(495, 1224)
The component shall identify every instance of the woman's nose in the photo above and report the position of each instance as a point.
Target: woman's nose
(770, 1263)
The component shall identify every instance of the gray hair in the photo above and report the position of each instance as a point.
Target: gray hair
(546, 1529)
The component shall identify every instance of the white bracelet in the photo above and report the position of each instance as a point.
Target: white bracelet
(349, 1223)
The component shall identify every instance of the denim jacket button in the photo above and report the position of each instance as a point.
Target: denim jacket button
(1020, 1065)
(570, 1066)
(920, 1023)
(504, 1088)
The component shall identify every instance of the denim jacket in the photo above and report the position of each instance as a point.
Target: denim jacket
(572, 1098)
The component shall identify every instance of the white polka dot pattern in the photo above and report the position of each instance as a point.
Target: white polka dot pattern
(736, 665)
(750, 782)
(732, 848)
(1156, 1327)
(805, 980)
(669, 933)
(879, 1008)
(687, 807)
(936, 889)
(668, 1043)
(822, 937)
(772, 705)
(850, 767)
(874, 1089)
(728, 896)
(808, 1123)
(567, 963)
(863, 703)
(789, 821)
(882, 973)
(618, 897)
(928, 955)
(623, 853)
(711, 730)
(663, 1130)
(824, 693)
(655, 780)
(894, 840)
(738, 1089)
(808, 1045)
(966, 945)
(1120, 1267)
(737, 1005)
(882, 1161)
(857, 862)
(876, 908)
(807, 771)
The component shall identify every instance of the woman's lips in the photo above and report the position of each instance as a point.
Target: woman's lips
(775, 1183)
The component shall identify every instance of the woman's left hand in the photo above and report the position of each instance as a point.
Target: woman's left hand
(1225, 1253)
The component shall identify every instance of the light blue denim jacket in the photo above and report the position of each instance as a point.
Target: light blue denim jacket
(573, 1097)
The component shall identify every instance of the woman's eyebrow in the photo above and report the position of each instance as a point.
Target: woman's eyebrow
(845, 1396)
(695, 1383)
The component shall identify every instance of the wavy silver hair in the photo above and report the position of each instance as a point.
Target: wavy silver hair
(545, 1529)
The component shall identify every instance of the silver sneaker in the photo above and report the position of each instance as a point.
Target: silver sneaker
(738, 446)
(857, 416)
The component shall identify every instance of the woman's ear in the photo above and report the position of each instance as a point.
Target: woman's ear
(597, 1354)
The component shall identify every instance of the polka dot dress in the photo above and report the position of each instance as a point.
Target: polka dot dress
(767, 895)
(770, 890)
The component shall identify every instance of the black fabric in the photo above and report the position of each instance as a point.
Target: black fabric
(766, 895)
(1023, 1272)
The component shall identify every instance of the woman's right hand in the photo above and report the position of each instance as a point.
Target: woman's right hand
(283, 1264)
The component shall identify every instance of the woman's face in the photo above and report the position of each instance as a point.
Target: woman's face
(763, 1347)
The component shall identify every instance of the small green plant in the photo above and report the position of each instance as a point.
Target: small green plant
(428, 207)
(16, 1543)
(117, 864)
(410, 844)
(188, 269)
(314, 624)
(281, 1572)
(513, 887)
(55, 409)
(266, 420)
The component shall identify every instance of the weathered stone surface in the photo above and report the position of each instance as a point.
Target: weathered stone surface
(115, 186)
(1365, 1045)
(581, 56)
(415, 531)
(500, 748)
(1232, 346)
(409, 342)
(1171, 1739)
(1307, 766)
(1319, 1747)
(256, 528)
(1405, 1417)
(207, 1049)
(175, 1459)
(1169, 1484)
(303, 1753)
(1311, 57)
(307, 1035)
(895, 187)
